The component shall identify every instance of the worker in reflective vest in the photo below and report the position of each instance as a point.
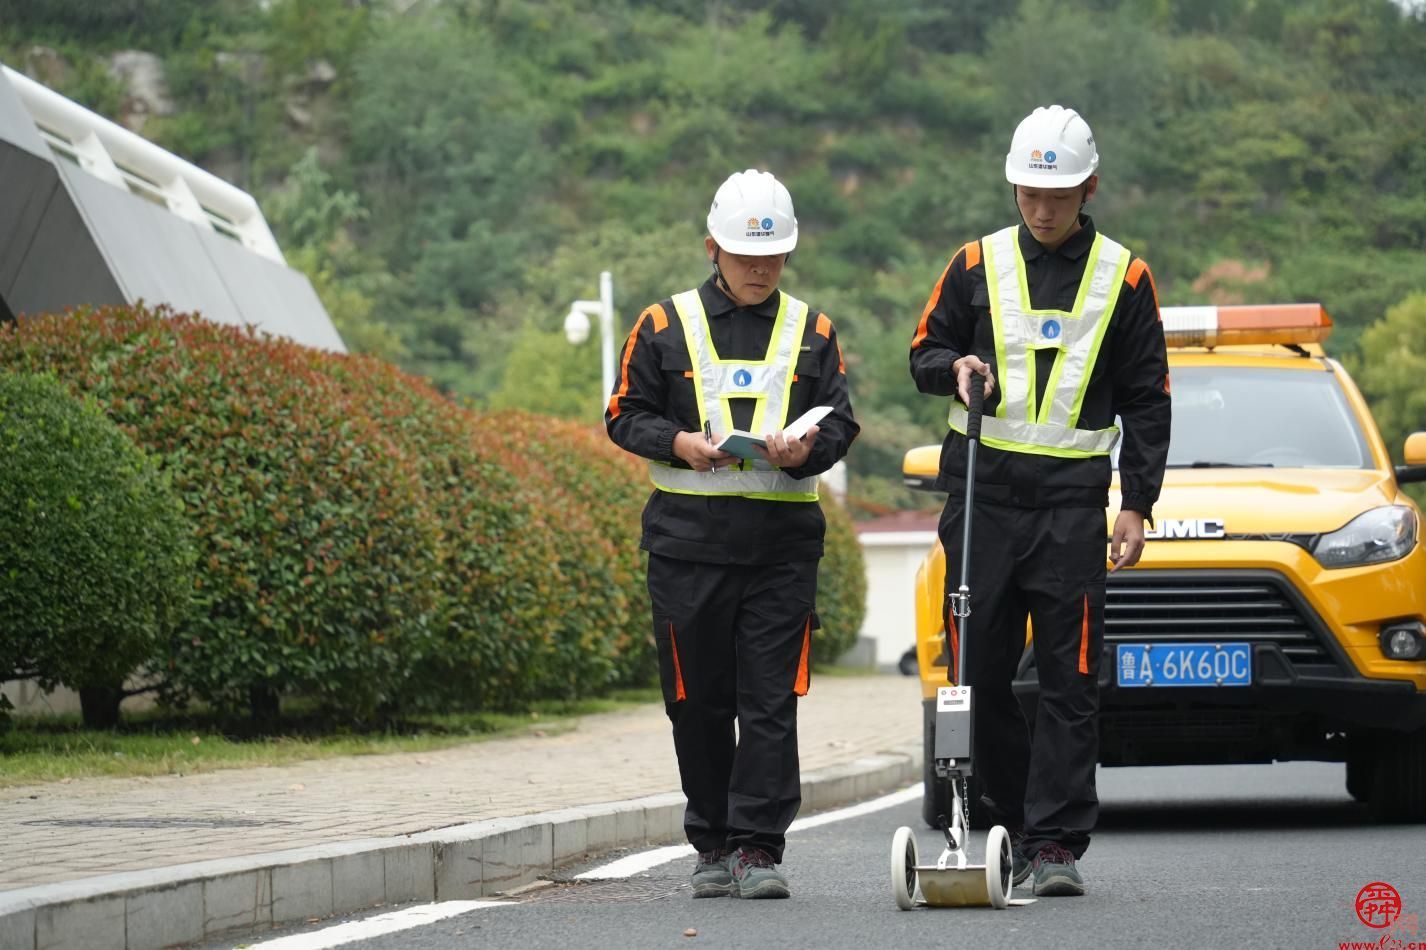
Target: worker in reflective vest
(734, 543)
(1060, 325)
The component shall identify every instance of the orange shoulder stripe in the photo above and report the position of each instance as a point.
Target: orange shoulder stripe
(1136, 273)
(824, 325)
(971, 249)
(657, 313)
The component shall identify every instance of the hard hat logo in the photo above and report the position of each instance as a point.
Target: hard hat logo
(752, 214)
(1050, 156)
(1036, 156)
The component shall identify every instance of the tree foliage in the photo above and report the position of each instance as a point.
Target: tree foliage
(96, 563)
(1391, 369)
(506, 151)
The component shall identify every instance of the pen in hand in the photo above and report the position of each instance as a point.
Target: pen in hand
(708, 434)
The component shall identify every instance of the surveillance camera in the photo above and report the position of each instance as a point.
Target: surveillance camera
(576, 327)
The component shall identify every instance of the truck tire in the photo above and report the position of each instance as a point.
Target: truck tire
(1359, 779)
(1361, 768)
(1399, 780)
(936, 799)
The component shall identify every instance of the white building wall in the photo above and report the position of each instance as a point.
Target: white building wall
(891, 561)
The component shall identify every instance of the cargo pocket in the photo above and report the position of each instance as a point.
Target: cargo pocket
(677, 369)
(809, 368)
(670, 669)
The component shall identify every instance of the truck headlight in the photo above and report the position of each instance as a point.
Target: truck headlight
(1382, 534)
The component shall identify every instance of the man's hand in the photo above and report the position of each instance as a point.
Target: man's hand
(967, 366)
(788, 453)
(1127, 544)
(695, 449)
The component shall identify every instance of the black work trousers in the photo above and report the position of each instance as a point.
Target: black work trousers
(1049, 564)
(734, 642)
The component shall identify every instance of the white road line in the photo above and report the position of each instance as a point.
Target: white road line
(648, 860)
(393, 922)
(423, 914)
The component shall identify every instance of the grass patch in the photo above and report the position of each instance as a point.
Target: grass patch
(164, 742)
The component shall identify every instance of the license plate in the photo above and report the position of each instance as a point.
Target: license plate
(1184, 664)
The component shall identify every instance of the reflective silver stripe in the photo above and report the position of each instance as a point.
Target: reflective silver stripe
(1075, 333)
(766, 379)
(1081, 352)
(1087, 441)
(716, 381)
(1006, 317)
(731, 482)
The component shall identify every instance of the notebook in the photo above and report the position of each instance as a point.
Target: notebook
(742, 443)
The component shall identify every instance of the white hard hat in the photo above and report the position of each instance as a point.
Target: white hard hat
(752, 214)
(1052, 148)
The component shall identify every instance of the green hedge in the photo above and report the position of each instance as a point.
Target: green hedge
(599, 491)
(96, 567)
(363, 539)
(317, 552)
(841, 586)
(536, 592)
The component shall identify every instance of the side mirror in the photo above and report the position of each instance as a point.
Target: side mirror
(1415, 454)
(1415, 451)
(921, 466)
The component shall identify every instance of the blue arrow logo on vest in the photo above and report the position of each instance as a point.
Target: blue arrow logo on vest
(1051, 329)
(742, 379)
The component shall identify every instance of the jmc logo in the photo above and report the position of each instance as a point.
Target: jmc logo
(1171, 529)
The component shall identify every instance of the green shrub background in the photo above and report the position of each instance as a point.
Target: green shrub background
(317, 552)
(363, 539)
(96, 566)
(841, 586)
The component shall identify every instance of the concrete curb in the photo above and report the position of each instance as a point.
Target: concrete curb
(188, 903)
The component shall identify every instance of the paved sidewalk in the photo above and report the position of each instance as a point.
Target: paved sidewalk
(76, 831)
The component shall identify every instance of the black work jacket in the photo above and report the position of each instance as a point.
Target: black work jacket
(1129, 380)
(653, 400)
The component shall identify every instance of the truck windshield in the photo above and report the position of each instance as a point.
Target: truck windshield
(1243, 416)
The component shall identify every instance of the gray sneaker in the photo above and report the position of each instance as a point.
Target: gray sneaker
(755, 875)
(711, 878)
(1020, 861)
(1055, 873)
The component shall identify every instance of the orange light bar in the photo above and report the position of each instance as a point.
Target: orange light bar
(1285, 323)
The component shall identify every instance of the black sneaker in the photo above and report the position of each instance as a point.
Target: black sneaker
(755, 875)
(1055, 873)
(711, 878)
(1020, 861)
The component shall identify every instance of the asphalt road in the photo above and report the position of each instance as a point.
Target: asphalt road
(1253, 856)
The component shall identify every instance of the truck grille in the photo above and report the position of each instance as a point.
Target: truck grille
(1252, 607)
